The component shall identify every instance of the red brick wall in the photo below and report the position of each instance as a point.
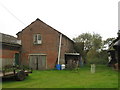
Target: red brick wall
(49, 46)
(7, 57)
(66, 47)
(8, 53)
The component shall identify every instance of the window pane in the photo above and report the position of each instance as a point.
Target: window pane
(39, 37)
(35, 38)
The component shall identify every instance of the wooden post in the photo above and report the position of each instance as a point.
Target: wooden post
(92, 68)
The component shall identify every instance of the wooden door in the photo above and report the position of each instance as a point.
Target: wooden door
(42, 62)
(16, 58)
(33, 62)
(37, 62)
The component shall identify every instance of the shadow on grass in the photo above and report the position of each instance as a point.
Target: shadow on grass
(8, 79)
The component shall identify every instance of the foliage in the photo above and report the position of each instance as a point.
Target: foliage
(97, 57)
(11, 68)
(92, 47)
(85, 38)
(96, 41)
(90, 41)
(107, 42)
(87, 42)
(104, 77)
(79, 47)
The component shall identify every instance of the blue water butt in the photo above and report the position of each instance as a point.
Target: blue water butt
(58, 67)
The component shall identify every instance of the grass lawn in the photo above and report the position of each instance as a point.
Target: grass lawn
(104, 77)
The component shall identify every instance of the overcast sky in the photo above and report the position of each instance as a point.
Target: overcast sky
(71, 17)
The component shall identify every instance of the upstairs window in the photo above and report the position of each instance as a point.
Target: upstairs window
(37, 39)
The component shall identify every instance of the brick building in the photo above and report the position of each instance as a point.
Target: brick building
(9, 50)
(41, 44)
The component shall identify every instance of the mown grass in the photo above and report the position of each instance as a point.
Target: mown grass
(104, 77)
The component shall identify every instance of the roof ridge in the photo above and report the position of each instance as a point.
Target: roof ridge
(7, 35)
(45, 24)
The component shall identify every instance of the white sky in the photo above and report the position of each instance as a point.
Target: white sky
(71, 17)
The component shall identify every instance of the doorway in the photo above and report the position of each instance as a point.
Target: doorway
(16, 58)
(37, 62)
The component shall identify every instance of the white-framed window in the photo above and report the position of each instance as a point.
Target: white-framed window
(37, 39)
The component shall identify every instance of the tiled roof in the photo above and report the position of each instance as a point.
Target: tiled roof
(8, 38)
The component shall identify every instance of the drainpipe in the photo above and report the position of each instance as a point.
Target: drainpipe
(59, 49)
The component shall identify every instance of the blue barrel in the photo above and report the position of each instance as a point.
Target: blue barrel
(58, 67)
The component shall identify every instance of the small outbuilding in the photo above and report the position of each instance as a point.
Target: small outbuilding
(72, 60)
(9, 50)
